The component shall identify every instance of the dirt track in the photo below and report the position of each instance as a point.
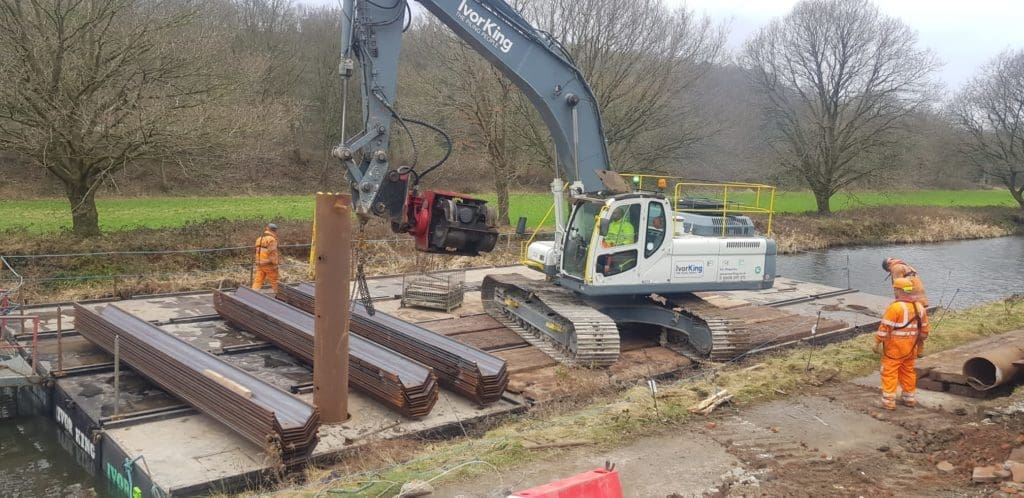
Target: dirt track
(834, 441)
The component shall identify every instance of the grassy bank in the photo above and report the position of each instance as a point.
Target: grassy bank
(616, 419)
(104, 275)
(49, 216)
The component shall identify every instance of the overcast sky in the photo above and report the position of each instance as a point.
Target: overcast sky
(964, 34)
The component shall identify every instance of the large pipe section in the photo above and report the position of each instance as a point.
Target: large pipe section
(993, 368)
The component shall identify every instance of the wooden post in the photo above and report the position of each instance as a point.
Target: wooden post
(333, 275)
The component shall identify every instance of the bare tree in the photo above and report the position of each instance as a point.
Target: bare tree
(839, 78)
(990, 110)
(487, 110)
(89, 86)
(642, 61)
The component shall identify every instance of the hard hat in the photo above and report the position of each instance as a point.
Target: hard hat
(272, 227)
(905, 284)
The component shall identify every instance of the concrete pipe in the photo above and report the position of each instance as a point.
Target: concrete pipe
(993, 368)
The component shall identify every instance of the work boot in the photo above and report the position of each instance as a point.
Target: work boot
(889, 403)
(909, 400)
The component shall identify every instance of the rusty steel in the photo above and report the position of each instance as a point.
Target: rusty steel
(265, 415)
(333, 268)
(387, 376)
(993, 368)
(470, 372)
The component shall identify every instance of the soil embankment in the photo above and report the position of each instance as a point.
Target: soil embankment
(149, 269)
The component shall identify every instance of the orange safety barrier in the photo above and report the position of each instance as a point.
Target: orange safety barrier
(598, 483)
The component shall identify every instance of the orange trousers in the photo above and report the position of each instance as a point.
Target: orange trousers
(899, 372)
(265, 272)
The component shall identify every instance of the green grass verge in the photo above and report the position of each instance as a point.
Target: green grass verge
(615, 421)
(53, 215)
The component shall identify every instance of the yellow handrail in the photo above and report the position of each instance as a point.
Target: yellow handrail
(525, 246)
(725, 191)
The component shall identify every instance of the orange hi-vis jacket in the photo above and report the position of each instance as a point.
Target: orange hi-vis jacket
(900, 269)
(266, 249)
(903, 323)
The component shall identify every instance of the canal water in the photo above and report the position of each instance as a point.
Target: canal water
(35, 461)
(955, 274)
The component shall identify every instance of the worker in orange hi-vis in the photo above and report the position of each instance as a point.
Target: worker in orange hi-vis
(267, 258)
(898, 268)
(900, 340)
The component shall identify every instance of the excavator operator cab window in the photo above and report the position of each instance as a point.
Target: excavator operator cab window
(578, 237)
(655, 228)
(618, 247)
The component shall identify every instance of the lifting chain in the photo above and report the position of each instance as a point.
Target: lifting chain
(362, 288)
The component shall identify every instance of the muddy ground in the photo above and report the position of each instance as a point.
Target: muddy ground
(831, 441)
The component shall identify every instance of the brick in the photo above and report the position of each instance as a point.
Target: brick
(1017, 454)
(984, 474)
(1017, 469)
(932, 385)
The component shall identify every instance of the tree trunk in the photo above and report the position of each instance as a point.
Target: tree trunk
(85, 222)
(501, 188)
(821, 197)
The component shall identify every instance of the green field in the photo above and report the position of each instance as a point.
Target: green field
(52, 215)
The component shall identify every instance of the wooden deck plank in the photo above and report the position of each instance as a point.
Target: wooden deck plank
(463, 325)
(525, 359)
(489, 340)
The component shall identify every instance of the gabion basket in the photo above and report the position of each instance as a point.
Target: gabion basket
(440, 290)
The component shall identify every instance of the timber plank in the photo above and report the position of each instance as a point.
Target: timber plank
(464, 325)
(525, 359)
(489, 340)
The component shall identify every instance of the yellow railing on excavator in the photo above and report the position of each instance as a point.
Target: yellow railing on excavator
(733, 197)
(525, 246)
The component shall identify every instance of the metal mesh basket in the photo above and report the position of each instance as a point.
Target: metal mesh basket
(440, 290)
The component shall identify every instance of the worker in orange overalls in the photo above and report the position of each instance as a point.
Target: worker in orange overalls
(898, 268)
(267, 258)
(900, 340)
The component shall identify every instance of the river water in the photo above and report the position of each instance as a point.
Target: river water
(33, 461)
(974, 271)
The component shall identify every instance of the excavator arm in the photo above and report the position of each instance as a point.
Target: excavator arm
(533, 60)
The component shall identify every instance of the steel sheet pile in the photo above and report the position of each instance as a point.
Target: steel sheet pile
(258, 411)
(473, 373)
(391, 378)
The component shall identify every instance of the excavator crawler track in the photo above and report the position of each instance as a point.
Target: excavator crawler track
(574, 333)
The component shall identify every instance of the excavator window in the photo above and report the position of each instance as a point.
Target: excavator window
(655, 228)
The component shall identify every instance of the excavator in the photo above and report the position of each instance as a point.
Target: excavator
(600, 276)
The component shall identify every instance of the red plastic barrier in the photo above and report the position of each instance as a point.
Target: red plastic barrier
(598, 483)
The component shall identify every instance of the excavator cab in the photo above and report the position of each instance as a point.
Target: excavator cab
(610, 240)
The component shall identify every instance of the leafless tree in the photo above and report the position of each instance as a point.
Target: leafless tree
(838, 77)
(642, 61)
(990, 110)
(487, 110)
(87, 86)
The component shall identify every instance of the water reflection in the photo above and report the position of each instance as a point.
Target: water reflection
(983, 270)
(33, 463)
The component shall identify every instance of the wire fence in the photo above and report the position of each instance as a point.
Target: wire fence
(33, 274)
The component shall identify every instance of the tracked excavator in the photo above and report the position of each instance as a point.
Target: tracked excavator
(601, 275)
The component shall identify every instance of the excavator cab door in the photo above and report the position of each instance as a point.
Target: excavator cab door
(618, 250)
